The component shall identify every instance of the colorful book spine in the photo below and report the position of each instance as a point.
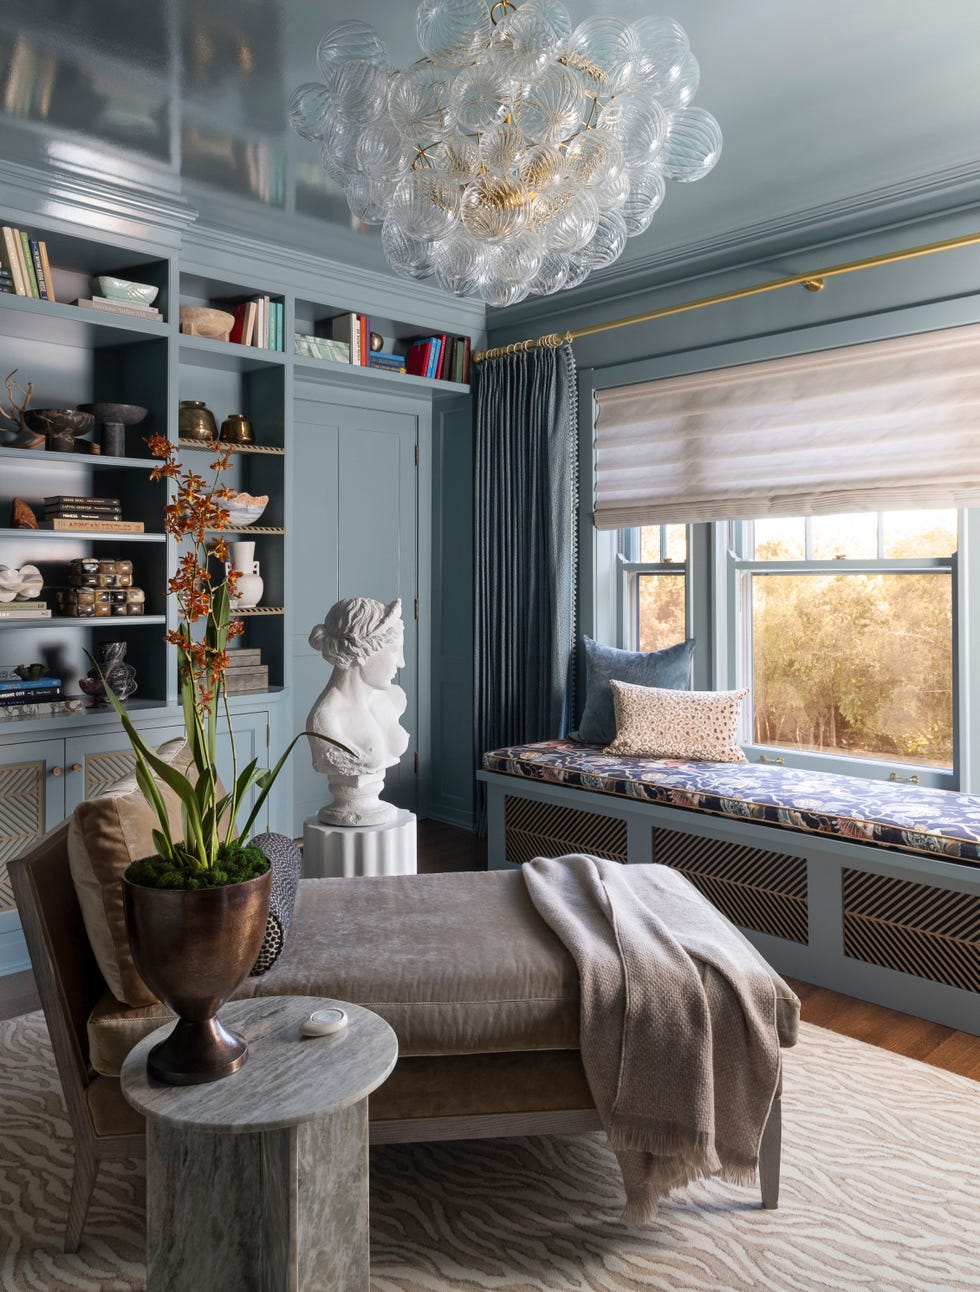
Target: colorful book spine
(78, 500)
(16, 683)
(28, 696)
(28, 264)
(11, 246)
(38, 264)
(46, 266)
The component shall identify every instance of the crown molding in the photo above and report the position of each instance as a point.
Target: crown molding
(920, 197)
(82, 184)
(366, 288)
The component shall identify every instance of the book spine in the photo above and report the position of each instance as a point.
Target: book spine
(46, 265)
(42, 284)
(77, 500)
(99, 526)
(68, 513)
(23, 616)
(467, 343)
(238, 329)
(22, 608)
(120, 307)
(31, 697)
(281, 315)
(27, 265)
(365, 340)
(11, 244)
(22, 685)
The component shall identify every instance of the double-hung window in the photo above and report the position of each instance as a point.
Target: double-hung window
(653, 586)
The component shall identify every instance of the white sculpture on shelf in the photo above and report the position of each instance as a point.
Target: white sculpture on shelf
(359, 707)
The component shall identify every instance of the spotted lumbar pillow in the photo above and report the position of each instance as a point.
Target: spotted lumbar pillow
(655, 723)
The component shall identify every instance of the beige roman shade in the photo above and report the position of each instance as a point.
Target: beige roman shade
(889, 424)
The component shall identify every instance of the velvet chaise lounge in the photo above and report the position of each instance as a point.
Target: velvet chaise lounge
(482, 996)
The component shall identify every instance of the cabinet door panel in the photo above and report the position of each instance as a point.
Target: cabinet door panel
(32, 800)
(95, 762)
(356, 506)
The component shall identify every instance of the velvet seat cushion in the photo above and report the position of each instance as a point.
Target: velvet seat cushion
(455, 963)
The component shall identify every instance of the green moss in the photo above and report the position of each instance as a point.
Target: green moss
(236, 862)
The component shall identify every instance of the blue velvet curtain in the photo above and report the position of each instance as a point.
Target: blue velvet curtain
(524, 549)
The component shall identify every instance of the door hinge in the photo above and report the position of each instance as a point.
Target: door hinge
(416, 607)
(416, 455)
(416, 763)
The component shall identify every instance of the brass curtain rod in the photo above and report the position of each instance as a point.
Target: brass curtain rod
(814, 280)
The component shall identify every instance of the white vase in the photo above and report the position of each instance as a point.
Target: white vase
(250, 585)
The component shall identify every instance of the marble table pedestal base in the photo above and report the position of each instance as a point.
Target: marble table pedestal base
(274, 1211)
(259, 1182)
(332, 851)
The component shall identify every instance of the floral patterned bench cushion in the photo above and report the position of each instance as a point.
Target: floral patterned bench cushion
(910, 817)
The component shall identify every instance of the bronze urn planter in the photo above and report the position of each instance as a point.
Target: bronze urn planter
(192, 948)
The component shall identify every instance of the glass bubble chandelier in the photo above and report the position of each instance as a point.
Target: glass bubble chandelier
(518, 154)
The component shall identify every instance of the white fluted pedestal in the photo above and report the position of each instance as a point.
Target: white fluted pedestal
(332, 851)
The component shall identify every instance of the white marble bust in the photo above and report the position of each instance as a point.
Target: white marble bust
(359, 707)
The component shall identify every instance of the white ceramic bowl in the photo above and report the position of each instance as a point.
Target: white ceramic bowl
(21, 585)
(244, 509)
(121, 289)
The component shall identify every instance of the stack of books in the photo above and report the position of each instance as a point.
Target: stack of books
(99, 515)
(24, 268)
(21, 610)
(258, 322)
(15, 690)
(246, 672)
(387, 362)
(130, 309)
(441, 357)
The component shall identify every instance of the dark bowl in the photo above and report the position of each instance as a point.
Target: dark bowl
(58, 421)
(115, 414)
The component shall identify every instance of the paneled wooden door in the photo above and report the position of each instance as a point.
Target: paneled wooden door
(355, 525)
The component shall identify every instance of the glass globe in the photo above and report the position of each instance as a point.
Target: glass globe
(608, 241)
(579, 268)
(418, 103)
(453, 32)
(338, 157)
(522, 43)
(350, 40)
(425, 204)
(647, 189)
(683, 84)
(612, 193)
(368, 198)
(541, 167)
(460, 263)
(605, 52)
(693, 145)
(381, 151)
(552, 274)
(496, 291)
(309, 109)
(554, 106)
(594, 156)
(457, 155)
(517, 260)
(495, 207)
(574, 223)
(554, 14)
(502, 147)
(359, 90)
(481, 96)
(640, 124)
(411, 257)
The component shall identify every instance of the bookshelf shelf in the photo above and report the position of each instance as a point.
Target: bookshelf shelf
(205, 353)
(354, 376)
(74, 535)
(47, 321)
(66, 621)
(258, 611)
(43, 458)
(249, 529)
(197, 447)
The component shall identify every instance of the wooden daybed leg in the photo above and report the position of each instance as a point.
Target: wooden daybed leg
(769, 1154)
(82, 1184)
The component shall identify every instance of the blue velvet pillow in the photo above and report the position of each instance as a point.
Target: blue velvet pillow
(670, 668)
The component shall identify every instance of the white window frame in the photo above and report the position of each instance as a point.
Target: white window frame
(629, 570)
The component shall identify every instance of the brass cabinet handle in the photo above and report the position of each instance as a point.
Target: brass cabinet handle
(76, 767)
(57, 771)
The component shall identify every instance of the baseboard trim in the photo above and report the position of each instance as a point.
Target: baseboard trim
(13, 953)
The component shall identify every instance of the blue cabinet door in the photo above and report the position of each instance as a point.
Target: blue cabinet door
(355, 506)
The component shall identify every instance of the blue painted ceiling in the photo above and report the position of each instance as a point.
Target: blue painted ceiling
(820, 103)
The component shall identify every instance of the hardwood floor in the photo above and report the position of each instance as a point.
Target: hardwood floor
(447, 848)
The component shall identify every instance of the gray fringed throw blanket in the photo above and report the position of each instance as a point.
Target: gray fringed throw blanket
(683, 1070)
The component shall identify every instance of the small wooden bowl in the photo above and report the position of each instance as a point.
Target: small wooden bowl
(200, 320)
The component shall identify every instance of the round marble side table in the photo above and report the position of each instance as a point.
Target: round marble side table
(259, 1182)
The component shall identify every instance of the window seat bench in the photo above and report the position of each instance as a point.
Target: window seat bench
(871, 888)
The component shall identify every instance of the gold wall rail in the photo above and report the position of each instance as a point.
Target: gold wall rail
(812, 280)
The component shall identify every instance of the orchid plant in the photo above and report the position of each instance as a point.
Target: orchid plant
(195, 516)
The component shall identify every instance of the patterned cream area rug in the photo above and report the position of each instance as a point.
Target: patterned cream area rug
(881, 1193)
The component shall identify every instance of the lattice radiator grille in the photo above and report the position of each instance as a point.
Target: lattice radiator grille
(533, 829)
(765, 891)
(899, 924)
